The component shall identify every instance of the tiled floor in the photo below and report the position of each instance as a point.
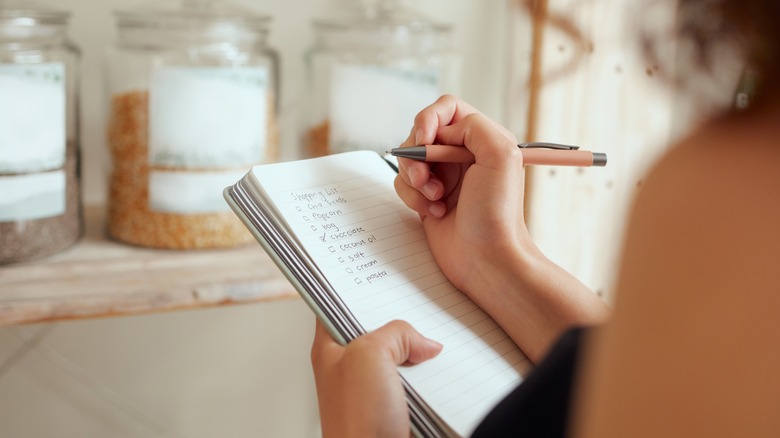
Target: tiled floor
(229, 372)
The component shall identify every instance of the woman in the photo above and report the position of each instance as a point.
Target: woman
(690, 348)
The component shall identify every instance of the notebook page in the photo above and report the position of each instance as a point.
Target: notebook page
(372, 249)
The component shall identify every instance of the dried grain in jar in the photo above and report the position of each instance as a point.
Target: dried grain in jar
(188, 118)
(131, 216)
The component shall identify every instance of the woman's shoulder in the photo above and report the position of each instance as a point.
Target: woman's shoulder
(728, 169)
(690, 349)
(711, 207)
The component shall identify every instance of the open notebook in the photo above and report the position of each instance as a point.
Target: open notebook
(359, 258)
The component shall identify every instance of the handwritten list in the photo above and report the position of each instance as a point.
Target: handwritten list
(373, 251)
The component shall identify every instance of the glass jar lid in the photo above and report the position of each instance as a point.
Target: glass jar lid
(175, 13)
(381, 16)
(25, 20)
(202, 20)
(30, 13)
(382, 23)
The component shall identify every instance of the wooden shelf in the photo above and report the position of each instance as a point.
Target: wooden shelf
(98, 277)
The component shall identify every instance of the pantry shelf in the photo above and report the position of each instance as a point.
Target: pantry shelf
(98, 277)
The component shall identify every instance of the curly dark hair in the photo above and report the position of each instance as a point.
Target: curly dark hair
(745, 31)
(750, 25)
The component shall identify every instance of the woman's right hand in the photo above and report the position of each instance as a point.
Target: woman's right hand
(473, 218)
(472, 213)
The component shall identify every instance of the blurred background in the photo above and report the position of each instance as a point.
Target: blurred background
(235, 371)
(562, 71)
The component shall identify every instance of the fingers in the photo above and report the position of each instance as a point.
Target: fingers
(402, 343)
(415, 200)
(492, 144)
(396, 339)
(445, 111)
(418, 188)
(418, 175)
(429, 192)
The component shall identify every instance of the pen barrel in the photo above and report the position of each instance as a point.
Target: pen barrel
(460, 154)
(438, 153)
(553, 157)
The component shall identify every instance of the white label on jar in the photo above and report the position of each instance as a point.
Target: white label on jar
(208, 117)
(32, 196)
(32, 117)
(374, 107)
(190, 192)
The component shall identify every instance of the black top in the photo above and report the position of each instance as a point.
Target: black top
(539, 407)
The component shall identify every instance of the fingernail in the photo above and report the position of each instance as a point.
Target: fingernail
(435, 344)
(418, 136)
(414, 174)
(430, 190)
(437, 209)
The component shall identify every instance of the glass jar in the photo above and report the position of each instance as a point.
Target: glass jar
(371, 71)
(40, 199)
(193, 96)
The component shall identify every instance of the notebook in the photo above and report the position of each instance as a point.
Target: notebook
(359, 258)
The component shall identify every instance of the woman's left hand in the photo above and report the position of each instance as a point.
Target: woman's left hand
(359, 389)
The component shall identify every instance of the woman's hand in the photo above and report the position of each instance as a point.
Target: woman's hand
(358, 387)
(473, 213)
(473, 218)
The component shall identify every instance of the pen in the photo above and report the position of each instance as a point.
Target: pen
(537, 153)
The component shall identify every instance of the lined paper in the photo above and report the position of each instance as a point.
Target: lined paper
(372, 249)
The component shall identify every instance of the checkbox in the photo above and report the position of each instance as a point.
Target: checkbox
(357, 281)
(349, 270)
(331, 249)
(306, 218)
(313, 228)
(341, 259)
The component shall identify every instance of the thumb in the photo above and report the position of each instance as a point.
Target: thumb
(404, 344)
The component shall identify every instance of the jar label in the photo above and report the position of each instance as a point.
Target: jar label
(32, 196)
(374, 107)
(205, 118)
(190, 192)
(32, 117)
